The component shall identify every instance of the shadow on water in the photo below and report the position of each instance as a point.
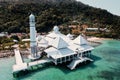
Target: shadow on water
(110, 54)
(113, 74)
(63, 67)
(31, 71)
(106, 75)
(109, 50)
(95, 58)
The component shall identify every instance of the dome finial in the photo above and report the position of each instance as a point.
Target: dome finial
(56, 29)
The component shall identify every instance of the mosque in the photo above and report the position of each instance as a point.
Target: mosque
(59, 48)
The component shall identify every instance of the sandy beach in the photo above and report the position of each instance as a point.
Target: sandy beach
(97, 39)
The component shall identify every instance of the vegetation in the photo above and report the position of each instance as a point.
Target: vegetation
(6, 43)
(14, 16)
(15, 37)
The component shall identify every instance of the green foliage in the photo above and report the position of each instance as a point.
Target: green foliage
(5, 40)
(15, 17)
(15, 37)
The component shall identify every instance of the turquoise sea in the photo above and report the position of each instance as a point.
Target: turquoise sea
(105, 67)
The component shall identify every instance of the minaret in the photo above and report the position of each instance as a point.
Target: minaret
(33, 44)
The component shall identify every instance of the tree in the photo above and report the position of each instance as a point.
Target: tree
(15, 37)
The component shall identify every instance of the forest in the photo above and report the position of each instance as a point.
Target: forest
(14, 16)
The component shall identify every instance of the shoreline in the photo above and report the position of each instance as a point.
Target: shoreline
(97, 39)
(10, 53)
(6, 53)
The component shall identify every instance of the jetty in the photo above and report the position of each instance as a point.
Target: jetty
(39, 62)
(77, 61)
(22, 66)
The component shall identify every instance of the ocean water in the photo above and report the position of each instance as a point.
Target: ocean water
(106, 66)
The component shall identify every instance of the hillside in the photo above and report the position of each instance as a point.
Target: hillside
(14, 15)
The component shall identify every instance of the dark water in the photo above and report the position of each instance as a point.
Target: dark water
(105, 67)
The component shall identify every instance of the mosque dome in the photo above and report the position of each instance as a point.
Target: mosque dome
(56, 29)
(39, 38)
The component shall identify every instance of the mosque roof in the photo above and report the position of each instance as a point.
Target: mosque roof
(59, 43)
(80, 41)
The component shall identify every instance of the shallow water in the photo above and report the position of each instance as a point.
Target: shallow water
(105, 67)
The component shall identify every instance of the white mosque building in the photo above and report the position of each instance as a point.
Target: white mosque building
(59, 48)
(63, 48)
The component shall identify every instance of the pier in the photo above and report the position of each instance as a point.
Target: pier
(77, 61)
(38, 62)
(22, 66)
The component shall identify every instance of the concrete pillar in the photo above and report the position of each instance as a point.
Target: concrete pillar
(60, 60)
(65, 59)
(69, 58)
